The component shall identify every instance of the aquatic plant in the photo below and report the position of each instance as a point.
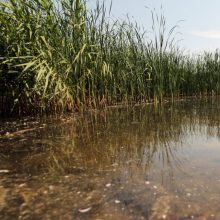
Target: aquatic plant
(62, 56)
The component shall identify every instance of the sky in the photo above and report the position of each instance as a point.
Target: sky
(198, 20)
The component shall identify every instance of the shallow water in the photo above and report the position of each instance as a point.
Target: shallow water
(137, 162)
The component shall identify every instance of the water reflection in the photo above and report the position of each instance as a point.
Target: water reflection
(122, 137)
(137, 136)
(131, 162)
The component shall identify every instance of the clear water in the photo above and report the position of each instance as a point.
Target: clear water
(137, 162)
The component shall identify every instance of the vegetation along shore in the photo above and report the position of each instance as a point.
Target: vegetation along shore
(64, 56)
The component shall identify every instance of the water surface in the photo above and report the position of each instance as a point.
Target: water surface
(136, 162)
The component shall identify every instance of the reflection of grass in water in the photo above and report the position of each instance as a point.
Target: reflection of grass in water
(139, 135)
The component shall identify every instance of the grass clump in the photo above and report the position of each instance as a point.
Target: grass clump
(59, 55)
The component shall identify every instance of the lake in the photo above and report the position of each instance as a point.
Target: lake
(124, 162)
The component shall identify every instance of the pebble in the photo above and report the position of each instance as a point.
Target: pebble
(117, 201)
(51, 187)
(4, 171)
(108, 184)
(164, 216)
(22, 185)
(115, 164)
(7, 133)
(85, 210)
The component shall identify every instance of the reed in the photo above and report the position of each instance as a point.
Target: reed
(62, 56)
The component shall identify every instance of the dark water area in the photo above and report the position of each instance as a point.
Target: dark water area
(137, 162)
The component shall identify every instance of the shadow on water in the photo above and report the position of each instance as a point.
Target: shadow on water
(137, 162)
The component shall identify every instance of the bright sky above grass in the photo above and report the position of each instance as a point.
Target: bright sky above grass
(200, 28)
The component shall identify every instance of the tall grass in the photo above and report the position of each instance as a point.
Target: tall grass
(60, 55)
